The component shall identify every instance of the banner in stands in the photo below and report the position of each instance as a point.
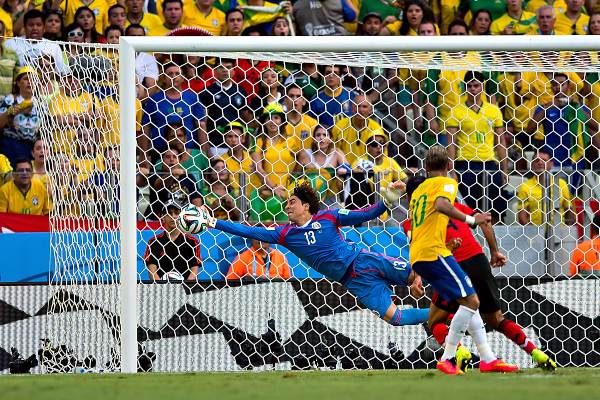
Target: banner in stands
(299, 324)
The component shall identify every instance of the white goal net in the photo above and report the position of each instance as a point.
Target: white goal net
(237, 131)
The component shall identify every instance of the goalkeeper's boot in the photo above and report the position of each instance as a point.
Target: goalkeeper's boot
(463, 358)
(449, 367)
(543, 361)
(497, 366)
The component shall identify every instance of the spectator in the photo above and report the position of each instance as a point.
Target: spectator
(117, 15)
(348, 132)
(39, 162)
(265, 12)
(252, 31)
(323, 160)
(573, 21)
(269, 91)
(204, 15)
(333, 100)
(28, 50)
(585, 260)
(173, 104)
(545, 21)
(112, 33)
(225, 102)
(9, 67)
(197, 73)
(377, 161)
(515, 21)
(273, 158)
(73, 34)
(103, 184)
(475, 143)
(371, 25)
(260, 261)
(481, 22)
(497, 8)
(19, 119)
(308, 79)
(67, 193)
(234, 22)
(194, 161)
(85, 17)
(323, 18)
(86, 154)
(146, 66)
(172, 250)
(413, 13)
(5, 169)
(247, 75)
(217, 192)
(567, 128)
(171, 183)
(237, 158)
(173, 15)
(445, 11)
(299, 124)
(136, 15)
(387, 11)
(69, 109)
(281, 27)
(23, 195)
(53, 25)
(98, 8)
(533, 202)
(7, 22)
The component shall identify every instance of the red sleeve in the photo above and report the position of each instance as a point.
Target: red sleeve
(406, 226)
(149, 254)
(465, 209)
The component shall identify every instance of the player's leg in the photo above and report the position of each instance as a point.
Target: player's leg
(479, 271)
(370, 283)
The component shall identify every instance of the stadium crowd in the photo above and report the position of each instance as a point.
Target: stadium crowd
(235, 135)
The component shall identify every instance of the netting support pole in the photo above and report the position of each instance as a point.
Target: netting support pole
(128, 209)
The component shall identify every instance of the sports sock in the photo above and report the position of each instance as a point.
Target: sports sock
(457, 330)
(409, 316)
(477, 332)
(439, 332)
(511, 330)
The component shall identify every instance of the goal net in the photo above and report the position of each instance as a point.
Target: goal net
(237, 131)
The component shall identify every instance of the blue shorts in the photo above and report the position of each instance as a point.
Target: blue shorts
(370, 277)
(446, 277)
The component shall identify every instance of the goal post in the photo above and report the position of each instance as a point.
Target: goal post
(358, 51)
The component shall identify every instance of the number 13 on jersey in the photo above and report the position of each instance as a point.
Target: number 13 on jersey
(310, 237)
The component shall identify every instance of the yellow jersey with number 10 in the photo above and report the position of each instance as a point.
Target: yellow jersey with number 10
(428, 226)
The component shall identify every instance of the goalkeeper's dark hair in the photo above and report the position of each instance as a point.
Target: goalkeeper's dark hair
(413, 183)
(307, 195)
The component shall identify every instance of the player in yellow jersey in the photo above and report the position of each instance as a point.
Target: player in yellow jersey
(431, 207)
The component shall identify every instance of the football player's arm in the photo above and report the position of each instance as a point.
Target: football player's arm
(444, 206)
(250, 232)
(355, 217)
(497, 259)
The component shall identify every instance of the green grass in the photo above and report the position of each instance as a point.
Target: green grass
(573, 383)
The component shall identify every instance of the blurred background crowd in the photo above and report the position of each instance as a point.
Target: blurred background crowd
(236, 134)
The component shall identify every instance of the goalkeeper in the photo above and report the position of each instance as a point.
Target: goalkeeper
(314, 237)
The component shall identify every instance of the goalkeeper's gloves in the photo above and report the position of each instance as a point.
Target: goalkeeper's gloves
(211, 221)
(390, 195)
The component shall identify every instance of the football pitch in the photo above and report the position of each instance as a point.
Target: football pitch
(582, 383)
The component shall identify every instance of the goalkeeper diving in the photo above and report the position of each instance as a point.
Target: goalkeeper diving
(314, 237)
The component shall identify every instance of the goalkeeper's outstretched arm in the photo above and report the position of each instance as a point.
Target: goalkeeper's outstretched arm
(270, 235)
(355, 217)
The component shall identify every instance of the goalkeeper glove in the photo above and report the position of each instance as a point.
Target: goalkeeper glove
(390, 196)
(211, 221)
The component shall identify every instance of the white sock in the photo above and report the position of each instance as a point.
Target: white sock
(477, 332)
(457, 330)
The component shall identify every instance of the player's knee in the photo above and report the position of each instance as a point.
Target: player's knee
(471, 301)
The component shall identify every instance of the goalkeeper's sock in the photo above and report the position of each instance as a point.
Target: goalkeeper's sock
(511, 330)
(457, 330)
(409, 316)
(477, 332)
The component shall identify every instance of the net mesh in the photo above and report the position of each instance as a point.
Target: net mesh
(237, 131)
